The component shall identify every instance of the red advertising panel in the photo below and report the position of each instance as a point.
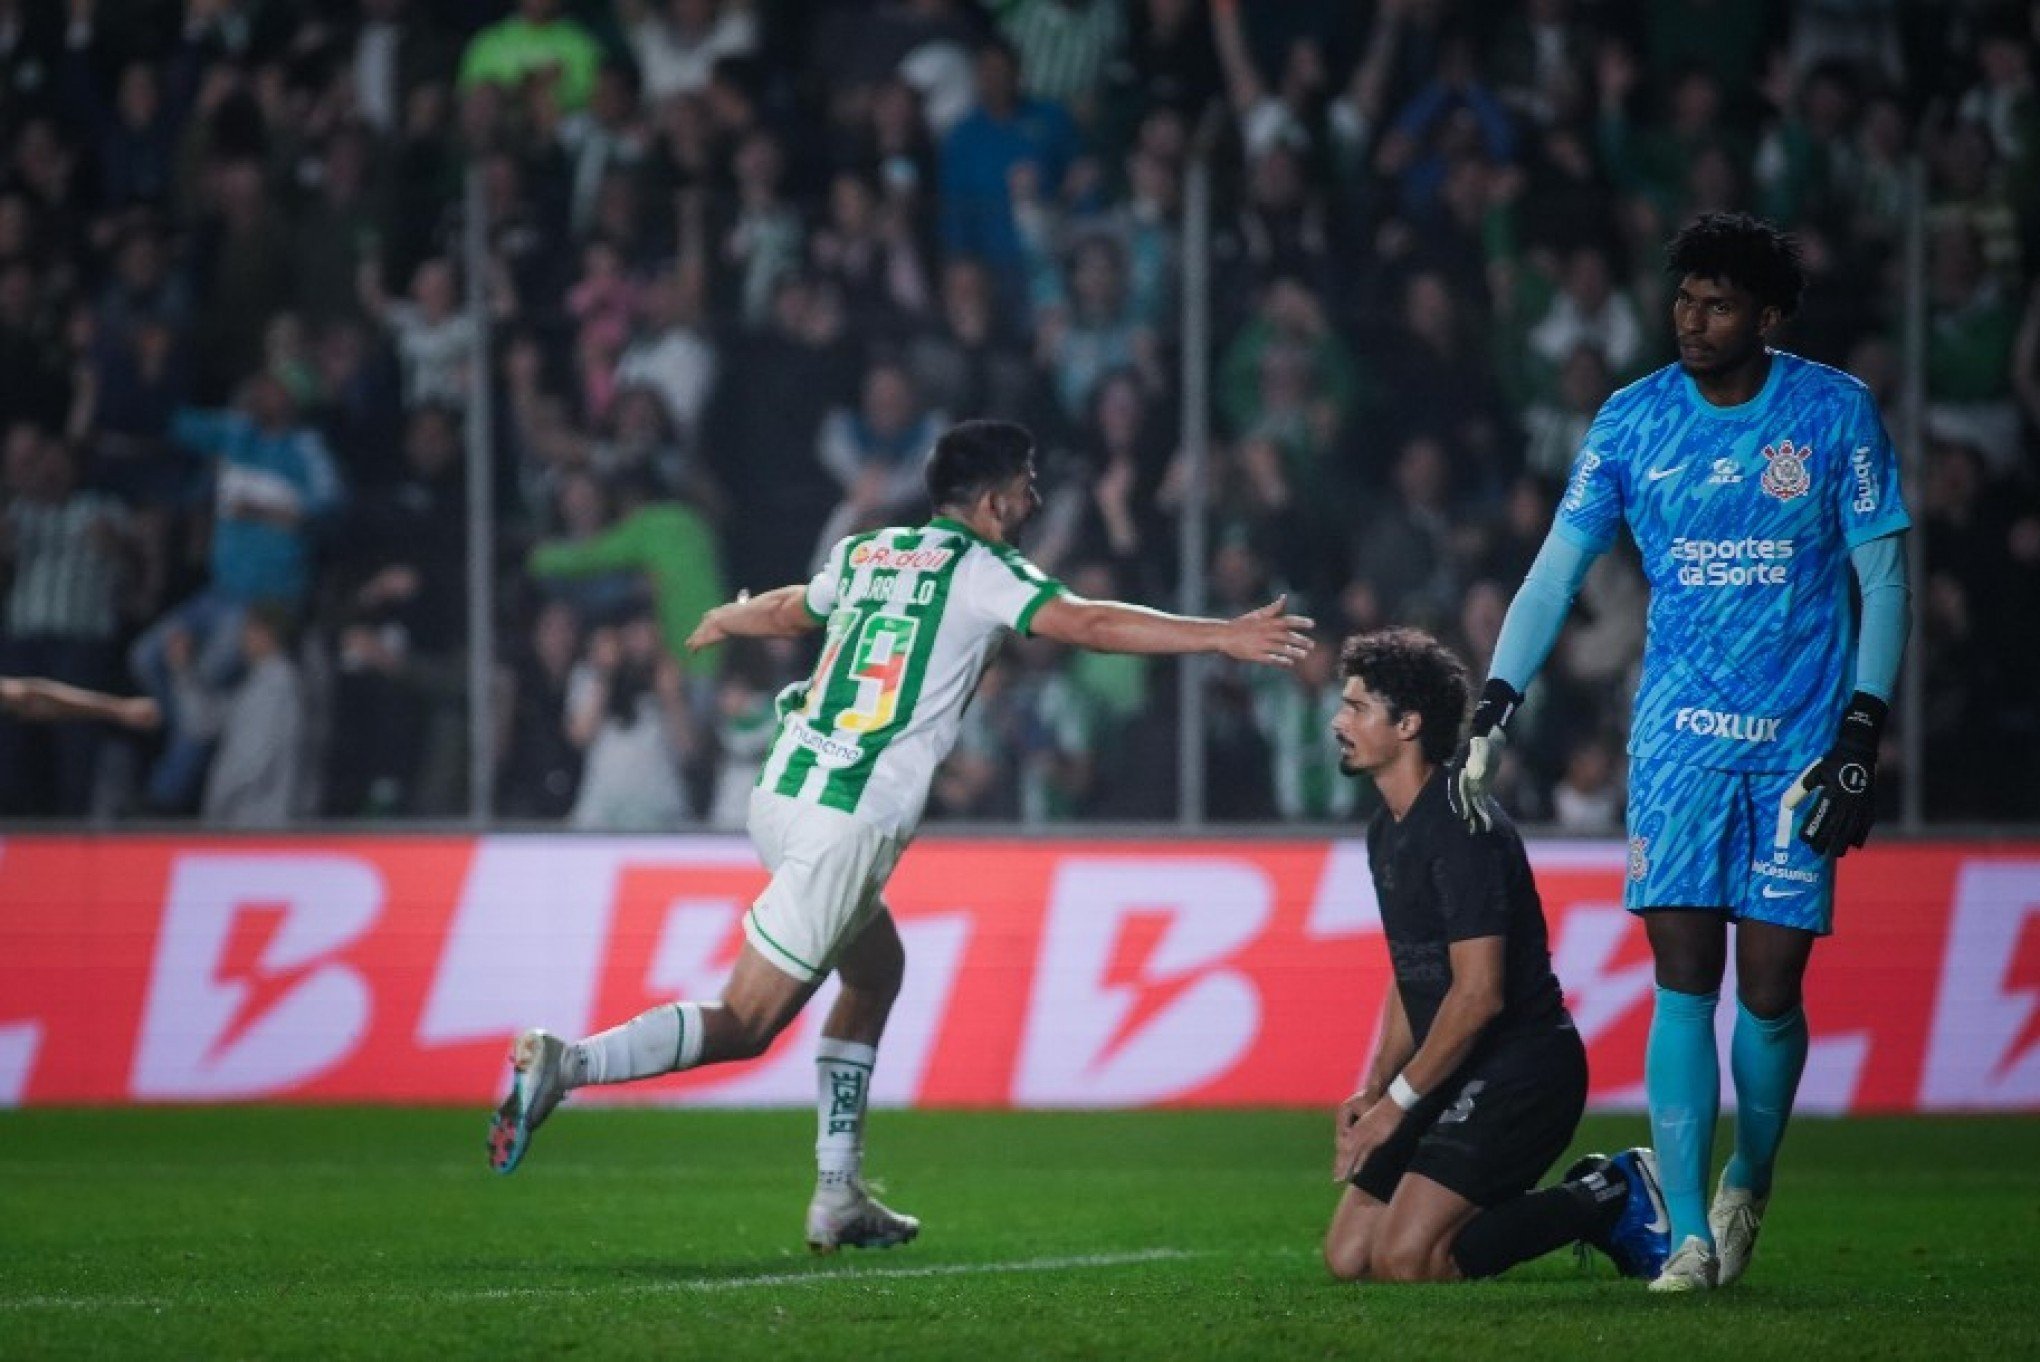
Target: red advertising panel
(1040, 973)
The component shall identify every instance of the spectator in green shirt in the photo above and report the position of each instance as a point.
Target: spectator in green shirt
(531, 40)
(676, 550)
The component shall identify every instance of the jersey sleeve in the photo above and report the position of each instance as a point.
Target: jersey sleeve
(998, 584)
(1472, 888)
(823, 592)
(1871, 504)
(1591, 510)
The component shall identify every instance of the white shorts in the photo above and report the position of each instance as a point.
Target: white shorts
(828, 872)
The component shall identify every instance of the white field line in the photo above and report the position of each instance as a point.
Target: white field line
(691, 1285)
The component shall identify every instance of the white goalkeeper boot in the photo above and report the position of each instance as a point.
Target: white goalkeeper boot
(849, 1216)
(1692, 1267)
(1735, 1218)
(535, 1089)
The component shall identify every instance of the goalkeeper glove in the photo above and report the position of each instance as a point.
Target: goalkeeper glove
(1474, 765)
(1843, 784)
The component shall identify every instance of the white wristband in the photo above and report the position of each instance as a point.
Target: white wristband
(1402, 1094)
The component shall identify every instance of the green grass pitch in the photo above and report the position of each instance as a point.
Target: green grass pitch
(677, 1234)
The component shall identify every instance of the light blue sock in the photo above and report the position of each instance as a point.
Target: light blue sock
(1682, 1074)
(1767, 1056)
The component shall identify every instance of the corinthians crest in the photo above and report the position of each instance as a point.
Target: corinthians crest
(1785, 475)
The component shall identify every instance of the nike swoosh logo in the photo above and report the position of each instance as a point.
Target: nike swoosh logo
(1773, 892)
(1660, 474)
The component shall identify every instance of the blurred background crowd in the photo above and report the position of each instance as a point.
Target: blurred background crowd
(745, 260)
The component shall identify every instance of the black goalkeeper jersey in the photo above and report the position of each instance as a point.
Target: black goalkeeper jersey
(1439, 882)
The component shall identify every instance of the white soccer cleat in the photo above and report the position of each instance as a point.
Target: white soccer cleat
(1735, 1218)
(853, 1218)
(1692, 1267)
(535, 1089)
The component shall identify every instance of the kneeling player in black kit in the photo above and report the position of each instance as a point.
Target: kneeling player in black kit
(1478, 1078)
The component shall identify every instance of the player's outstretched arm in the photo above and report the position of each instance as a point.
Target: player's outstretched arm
(781, 613)
(39, 701)
(1270, 636)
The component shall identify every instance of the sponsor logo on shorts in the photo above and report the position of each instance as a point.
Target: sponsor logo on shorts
(1712, 723)
(1772, 891)
(1866, 485)
(831, 754)
(1793, 874)
(1785, 475)
(901, 560)
(1732, 562)
(1639, 858)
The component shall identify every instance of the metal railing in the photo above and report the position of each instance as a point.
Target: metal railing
(1194, 521)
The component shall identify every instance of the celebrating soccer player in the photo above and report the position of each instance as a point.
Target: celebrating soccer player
(1751, 480)
(1478, 1078)
(911, 616)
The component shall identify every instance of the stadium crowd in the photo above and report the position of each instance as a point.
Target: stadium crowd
(745, 260)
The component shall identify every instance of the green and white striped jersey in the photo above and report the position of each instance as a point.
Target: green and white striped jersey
(912, 614)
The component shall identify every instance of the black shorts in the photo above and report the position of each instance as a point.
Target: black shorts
(1490, 1131)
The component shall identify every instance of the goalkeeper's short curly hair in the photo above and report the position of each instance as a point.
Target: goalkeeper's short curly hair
(1414, 673)
(1743, 250)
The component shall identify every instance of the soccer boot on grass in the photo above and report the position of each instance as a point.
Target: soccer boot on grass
(1692, 1268)
(1735, 1218)
(535, 1089)
(851, 1217)
(1642, 1234)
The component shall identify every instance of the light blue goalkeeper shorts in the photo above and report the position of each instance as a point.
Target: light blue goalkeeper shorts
(1711, 840)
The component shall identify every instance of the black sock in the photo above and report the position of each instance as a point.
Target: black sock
(1535, 1223)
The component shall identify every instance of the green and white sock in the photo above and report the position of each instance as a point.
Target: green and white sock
(842, 1088)
(663, 1040)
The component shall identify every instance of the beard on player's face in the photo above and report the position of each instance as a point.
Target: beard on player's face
(1716, 358)
(1718, 326)
(1015, 508)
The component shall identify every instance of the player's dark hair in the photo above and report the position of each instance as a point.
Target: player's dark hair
(1413, 673)
(1742, 250)
(974, 457)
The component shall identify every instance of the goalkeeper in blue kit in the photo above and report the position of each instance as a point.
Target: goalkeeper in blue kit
(1755, 484)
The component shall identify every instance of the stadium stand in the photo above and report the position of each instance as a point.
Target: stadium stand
(743, 258)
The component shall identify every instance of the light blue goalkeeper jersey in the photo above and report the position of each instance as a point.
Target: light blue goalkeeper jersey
(1745, 517)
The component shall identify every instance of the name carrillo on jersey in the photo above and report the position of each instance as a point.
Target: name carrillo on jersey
(893, 589)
